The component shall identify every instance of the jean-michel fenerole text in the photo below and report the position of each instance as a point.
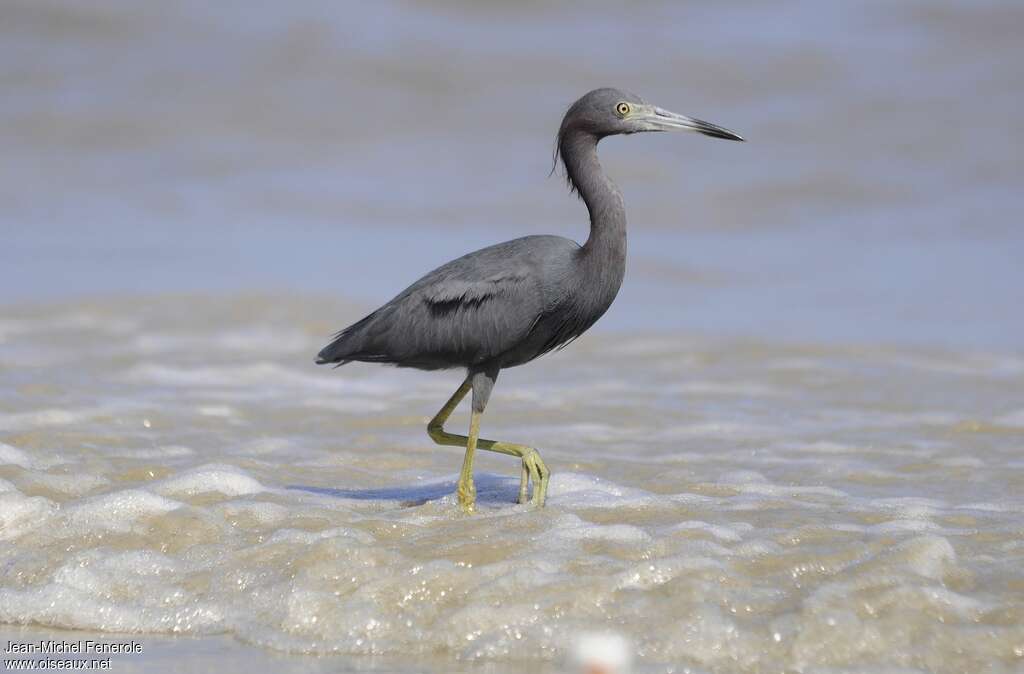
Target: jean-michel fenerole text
(83, 646)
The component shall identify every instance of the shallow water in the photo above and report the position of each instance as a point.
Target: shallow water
(344, 149)
(729, 506)
(794, 442)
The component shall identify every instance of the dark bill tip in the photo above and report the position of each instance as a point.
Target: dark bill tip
(709, 129)
(664, 120)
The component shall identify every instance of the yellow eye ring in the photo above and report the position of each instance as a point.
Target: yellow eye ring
(622, 109)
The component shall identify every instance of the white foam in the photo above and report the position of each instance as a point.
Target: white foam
(990, 507)
(758, 548)
(650, 574)
(349, 405)
(256, 340)
(822, 447)
(737, 477)
(217, 411)
(928, 556)
(73, 321)
(969, 608)
(708, 636)
(572, 527)
(591, 430)
(117, 511)
(21, 421)
(159, 452)
(299, 537)
(265, 376)
(16, 457)
(20, 514)
(697, 547)
(586, 491)
(86, 570)
(67, 484)
(262, 512)
(909, 506)
(783, 491)
(903, 526)
(226, 480)
(720, 532)
(90, 608)
(715, 429)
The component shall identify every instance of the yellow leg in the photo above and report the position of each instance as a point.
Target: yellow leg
(533, 467)
(466, 491)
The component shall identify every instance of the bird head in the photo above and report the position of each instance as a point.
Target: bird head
(608, 112)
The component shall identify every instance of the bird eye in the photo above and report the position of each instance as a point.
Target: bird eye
(622, 109)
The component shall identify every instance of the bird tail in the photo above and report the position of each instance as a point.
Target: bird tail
(347, 345)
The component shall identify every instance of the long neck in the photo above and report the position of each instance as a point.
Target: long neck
(606, 245)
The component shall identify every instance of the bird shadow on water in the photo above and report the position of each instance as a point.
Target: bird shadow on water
(489, 489)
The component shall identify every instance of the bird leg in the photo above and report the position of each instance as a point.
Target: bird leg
(435, 429)
(466, 490)
(533, 467)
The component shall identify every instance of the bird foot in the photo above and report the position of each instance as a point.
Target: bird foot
(466, 493)
(534, 468)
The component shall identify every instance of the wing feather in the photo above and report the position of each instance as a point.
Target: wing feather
(466, 312)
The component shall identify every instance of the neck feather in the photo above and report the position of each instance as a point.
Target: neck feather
(607, 239)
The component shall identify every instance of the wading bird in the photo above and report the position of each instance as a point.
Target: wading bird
(507, 304)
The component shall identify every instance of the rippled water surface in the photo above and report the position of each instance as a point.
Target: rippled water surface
(730, 506)
(795, 443)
